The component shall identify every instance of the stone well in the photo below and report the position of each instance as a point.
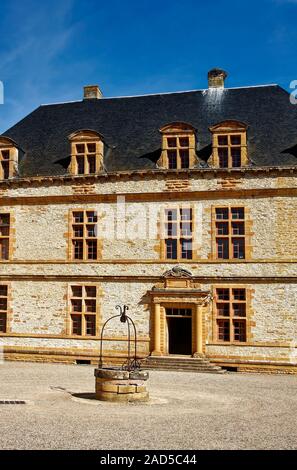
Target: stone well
(118, 385)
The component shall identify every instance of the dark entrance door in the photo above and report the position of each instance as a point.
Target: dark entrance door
(179, 330)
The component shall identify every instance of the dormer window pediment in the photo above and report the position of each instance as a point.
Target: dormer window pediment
(87, 150)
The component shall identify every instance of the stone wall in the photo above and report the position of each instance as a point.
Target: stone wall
(40, 272)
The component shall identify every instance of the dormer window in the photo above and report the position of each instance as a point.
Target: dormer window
(86, 153)
(8, 158)
(229, 148)
(178, 147)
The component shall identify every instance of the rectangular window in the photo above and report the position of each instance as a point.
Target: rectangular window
(3, 308)
(86, 158)
(179, 233)
(84, 235)
(230, 311)
(83, 310)
(230, 151)
(230, 235)
(5, 163)
(4, 236)
(178, 152)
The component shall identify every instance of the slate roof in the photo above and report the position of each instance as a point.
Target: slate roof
(130, 127)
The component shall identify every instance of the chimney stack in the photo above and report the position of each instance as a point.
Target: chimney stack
(92, 92)
(216, 78)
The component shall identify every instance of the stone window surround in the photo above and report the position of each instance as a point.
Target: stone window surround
(248, 318)
(177, 130)
(70, 236)
(248, 232)
(228, 128)
(85, 137)
(70, 312)
(8, 145)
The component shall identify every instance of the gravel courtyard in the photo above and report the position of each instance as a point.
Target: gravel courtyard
(186, 411)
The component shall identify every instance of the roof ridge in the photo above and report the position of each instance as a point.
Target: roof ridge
(161, 94)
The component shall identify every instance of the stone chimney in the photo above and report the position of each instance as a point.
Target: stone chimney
(216, 78)
(92, 92)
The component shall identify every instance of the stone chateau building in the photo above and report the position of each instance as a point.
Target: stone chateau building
(181, 205)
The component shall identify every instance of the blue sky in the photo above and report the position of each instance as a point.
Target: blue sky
(49, 50)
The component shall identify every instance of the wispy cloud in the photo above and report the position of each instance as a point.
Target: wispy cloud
(33, 59)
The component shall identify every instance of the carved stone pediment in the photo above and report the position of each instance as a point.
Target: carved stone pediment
(178, 272)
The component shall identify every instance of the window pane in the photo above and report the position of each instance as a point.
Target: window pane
(223, 294)
(223, 248)
(4, 230)
(186, 214)
(237, 213)
(172, 159)
(76, 305)
(3, 322)
(5, 169)
(235, 139)
(78, 231)
(171, 249)
(239, 310)
(4, 249)
(238, 294)
(223, 157)
(186, 249)
(92, 217)
(171, 142)
(223, 140)
(186, 229)
(3, 304)
(78, 251)
(91, 291)
(78, 217)
(80, 148)
(184, 142)
(76, 324)
(76, 291)
(92, 163)
(222, 213)
(182, 312)
(222, 228)
(239, 330)
(5, 154)
(91, 230)
(80, 165)
(91, 148)
(90, 305)
(171, 229)
(90, 325)
(223, 330)
(4, 220)
(171, 214)
(184, 158)
(236, 157)
(92, 249)
(223, 310)
(237, 228)
(3, 291)
(238, 248)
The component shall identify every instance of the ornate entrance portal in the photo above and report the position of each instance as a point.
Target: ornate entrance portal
(177, 315)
